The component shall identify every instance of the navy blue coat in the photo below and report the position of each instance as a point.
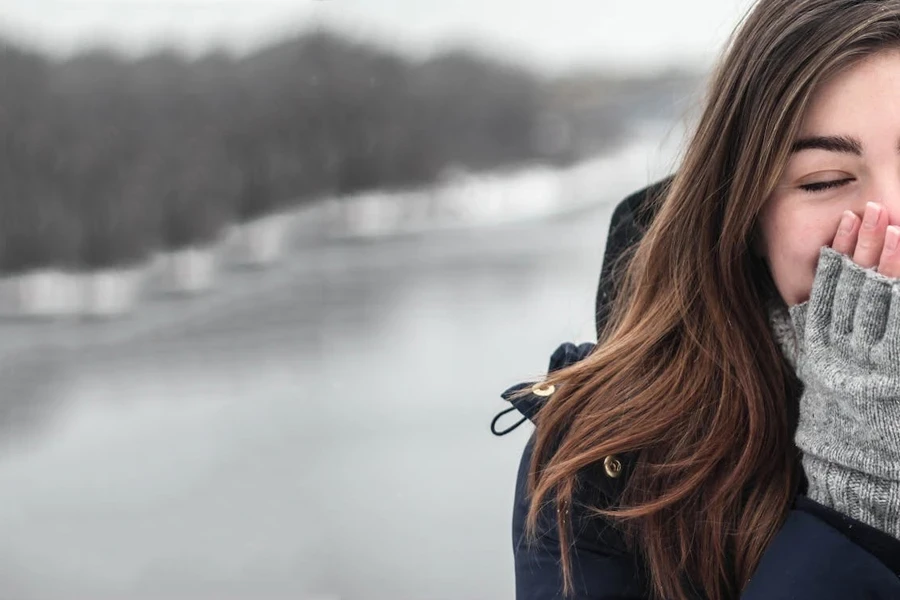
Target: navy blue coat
(817, 554)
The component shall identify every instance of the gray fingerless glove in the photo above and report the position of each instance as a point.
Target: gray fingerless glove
(848, 338)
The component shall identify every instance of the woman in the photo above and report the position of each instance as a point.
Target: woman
(736, 430)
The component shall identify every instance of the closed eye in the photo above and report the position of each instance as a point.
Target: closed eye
(821, 186)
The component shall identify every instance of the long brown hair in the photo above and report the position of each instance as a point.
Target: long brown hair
(687, 375)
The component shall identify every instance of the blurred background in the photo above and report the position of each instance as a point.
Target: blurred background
(266, 266)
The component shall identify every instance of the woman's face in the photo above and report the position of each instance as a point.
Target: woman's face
(847, 154)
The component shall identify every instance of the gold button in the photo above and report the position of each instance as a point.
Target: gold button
(613, 466)
(543, 390)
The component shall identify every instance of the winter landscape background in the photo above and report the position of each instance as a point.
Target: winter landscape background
(266, 267)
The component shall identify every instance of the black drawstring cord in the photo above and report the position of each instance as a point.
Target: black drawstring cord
(507, 430)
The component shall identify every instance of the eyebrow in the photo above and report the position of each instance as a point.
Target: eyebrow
(831, 143)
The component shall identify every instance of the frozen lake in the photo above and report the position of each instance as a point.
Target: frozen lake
(322, 434)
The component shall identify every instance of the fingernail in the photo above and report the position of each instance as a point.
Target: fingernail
(847, 220)
(870, 219)
(892, 238)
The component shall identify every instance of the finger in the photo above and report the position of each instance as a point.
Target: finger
(889, 264)
(893, 321)
(846, 297)
(871, 315)
(871, 236)
(847, 234)
(819, 316)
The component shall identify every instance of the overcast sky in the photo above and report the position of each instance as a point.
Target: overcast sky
(553, 34)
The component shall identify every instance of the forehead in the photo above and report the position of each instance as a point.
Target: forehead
(865, 95)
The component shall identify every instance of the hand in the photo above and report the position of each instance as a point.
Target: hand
(871, 242)
(848, 337)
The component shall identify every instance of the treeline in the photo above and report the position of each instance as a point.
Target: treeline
(104, 159)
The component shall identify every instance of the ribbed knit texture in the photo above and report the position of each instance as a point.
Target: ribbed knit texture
(845, 345)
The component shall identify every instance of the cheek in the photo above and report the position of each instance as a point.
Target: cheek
(792, 240)
(794, 277)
